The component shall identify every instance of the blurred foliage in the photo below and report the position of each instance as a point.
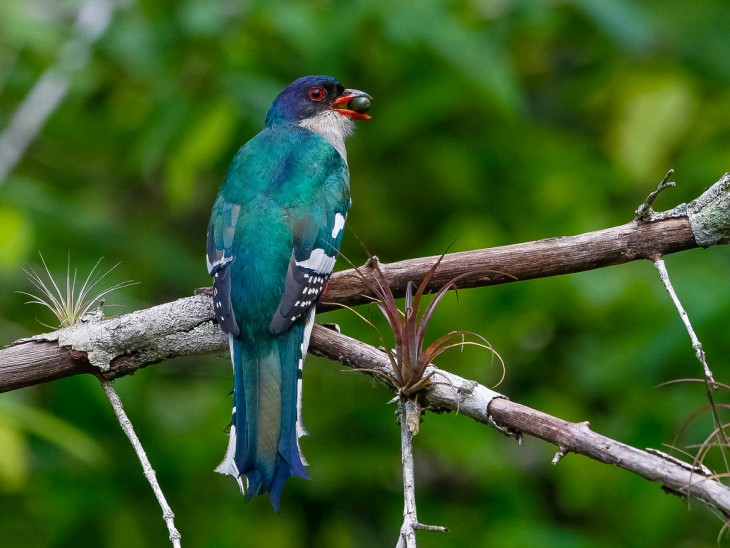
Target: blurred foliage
(495, 121)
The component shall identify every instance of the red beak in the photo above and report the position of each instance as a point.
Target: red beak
(340, 104)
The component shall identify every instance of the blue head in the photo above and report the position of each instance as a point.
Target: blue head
(311, 96)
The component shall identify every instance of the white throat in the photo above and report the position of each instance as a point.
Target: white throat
(332, 126)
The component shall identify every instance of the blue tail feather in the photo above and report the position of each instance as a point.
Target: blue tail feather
(263, 446)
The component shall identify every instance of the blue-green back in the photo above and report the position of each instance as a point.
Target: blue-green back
(289, 183)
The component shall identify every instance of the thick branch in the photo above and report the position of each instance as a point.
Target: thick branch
(702, 223)
(115, 347)
(673, 475)
(525, 261)
(122, 345)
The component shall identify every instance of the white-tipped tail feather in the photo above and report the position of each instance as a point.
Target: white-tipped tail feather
(228, 465)
(301, 429)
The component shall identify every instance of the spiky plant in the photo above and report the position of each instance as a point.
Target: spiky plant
(410, 360)
(70, 305)
(717, 440)
(408, 357)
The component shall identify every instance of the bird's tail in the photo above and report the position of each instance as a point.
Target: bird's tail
(263, 448)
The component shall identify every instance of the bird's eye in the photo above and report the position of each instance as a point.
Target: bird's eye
(316, 94)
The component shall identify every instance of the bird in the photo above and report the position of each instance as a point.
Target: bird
(274, 234)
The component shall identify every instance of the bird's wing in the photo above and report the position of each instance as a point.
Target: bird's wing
(317, 237)
(221, 230)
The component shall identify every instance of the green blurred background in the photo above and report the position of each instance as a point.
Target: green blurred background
(494, 122)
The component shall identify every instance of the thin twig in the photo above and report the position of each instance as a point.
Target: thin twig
(407, 535)
(696, 344)
(699, 353)
(645, 211)
(408, 413)
(149, 473)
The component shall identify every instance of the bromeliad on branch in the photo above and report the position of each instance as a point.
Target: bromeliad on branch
(273, 237)
(408, 357)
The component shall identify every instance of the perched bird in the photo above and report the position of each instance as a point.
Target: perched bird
(273, 237)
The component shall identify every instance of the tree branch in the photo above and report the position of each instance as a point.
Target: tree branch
(115, 347)
(119, 346)
(450, 392)
(186, 327)
(702, 223)
(407, 533)
(147, 469)
(409, 413)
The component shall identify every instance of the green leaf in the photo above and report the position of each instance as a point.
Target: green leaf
(13, 457)
(59, 432)
(16, 237)
(200, 149)
(653, 115)
(623, 21)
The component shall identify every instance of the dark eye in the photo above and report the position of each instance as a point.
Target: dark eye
(316, 94)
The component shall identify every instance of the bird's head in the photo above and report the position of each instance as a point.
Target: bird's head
(317, 97)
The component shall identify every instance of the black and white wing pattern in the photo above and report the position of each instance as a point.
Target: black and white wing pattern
(221, 231)
(316, 245)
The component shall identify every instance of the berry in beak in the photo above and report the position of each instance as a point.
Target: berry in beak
(354, 104)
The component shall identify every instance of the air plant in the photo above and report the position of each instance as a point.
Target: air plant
(716, 442)
(718, 438)
(69, 306)
(409, 358)
(410, 361)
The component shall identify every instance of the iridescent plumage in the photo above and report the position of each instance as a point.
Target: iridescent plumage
(273, 237)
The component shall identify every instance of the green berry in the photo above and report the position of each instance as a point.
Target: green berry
(360, 104)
